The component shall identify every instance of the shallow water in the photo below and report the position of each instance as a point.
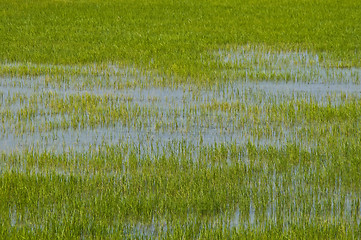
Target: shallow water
(167, 120)
(178, 105)
(279, 65)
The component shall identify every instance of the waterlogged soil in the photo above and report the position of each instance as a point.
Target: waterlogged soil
(258, 63)
(89, 110)
(179, 105)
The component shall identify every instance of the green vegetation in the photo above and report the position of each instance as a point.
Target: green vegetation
(180, 119)
(174, 37)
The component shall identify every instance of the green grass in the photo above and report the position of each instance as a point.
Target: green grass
(180, 119)
(174, 37)
(92, 196)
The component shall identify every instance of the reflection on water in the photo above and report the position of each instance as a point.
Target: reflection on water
(173, 115)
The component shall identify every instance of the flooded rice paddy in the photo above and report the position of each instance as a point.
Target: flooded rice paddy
(273, 145)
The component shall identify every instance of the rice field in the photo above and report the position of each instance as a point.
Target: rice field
(217, 140)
